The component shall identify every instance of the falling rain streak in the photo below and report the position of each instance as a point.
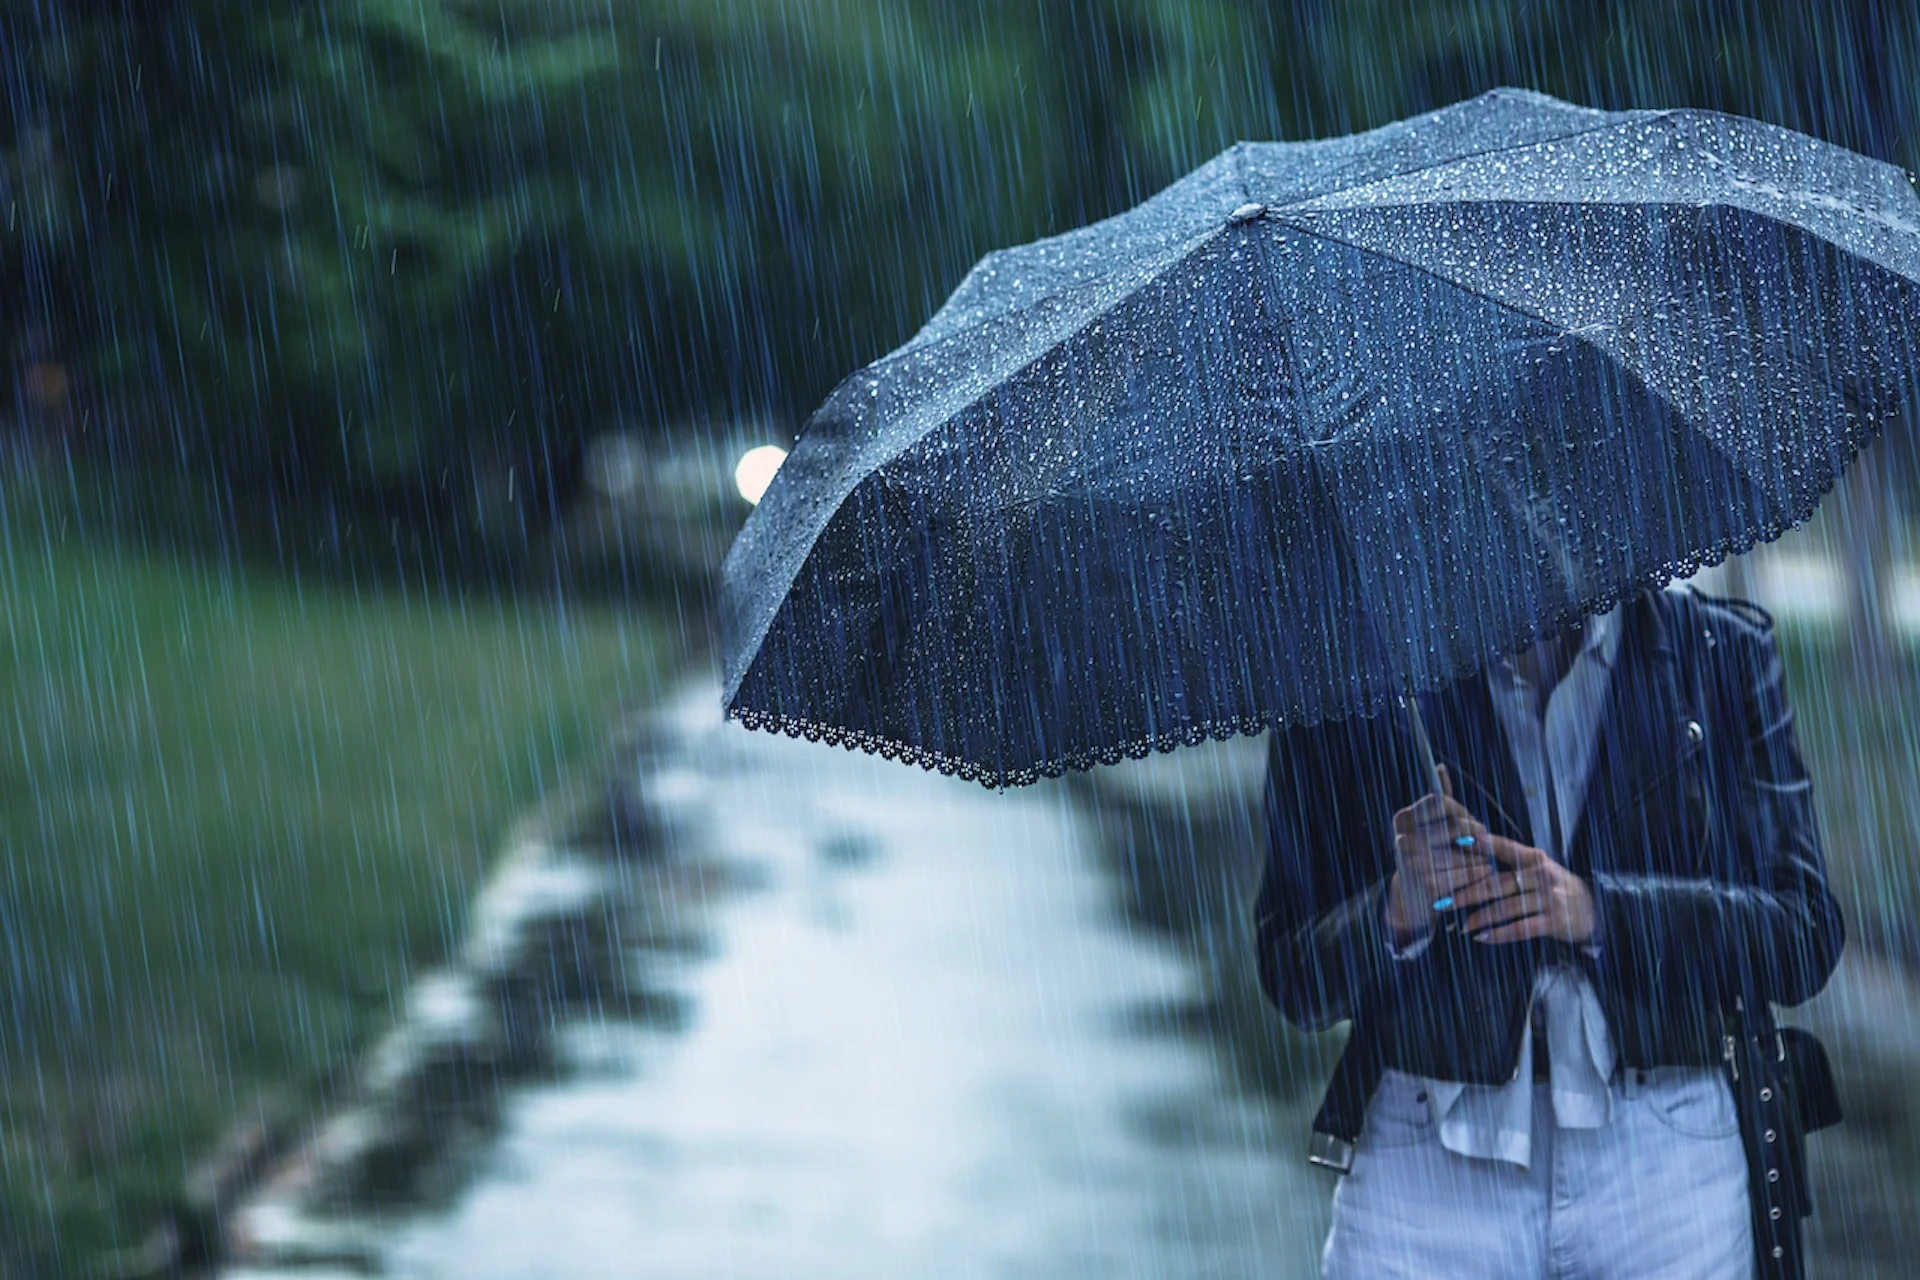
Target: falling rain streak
(430, 431)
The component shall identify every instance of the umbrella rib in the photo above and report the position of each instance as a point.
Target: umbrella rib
(1567, 330)
(1632, 118)
(1516, 309)
(1679, 414)
(1157, 274)
(1239, 154)
(1174, 258)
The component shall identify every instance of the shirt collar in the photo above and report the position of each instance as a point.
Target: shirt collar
(1603, 636)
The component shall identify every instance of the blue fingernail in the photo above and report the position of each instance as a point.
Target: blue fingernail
(1441, 904)
(1464, 842)
(1480, 937)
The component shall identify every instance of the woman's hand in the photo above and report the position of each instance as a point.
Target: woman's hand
(1531, 896)
(1432, 865)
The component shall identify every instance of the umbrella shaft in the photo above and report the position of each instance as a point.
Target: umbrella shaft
(1424, 745)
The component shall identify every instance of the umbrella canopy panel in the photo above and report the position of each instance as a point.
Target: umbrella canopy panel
(1322, 424)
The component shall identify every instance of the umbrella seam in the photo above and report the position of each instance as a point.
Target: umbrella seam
(1567, 331)
(911, 347)
(1629, 118)
(1239, 154)
(1633, 118)
(1153, 277)
(1504, 305)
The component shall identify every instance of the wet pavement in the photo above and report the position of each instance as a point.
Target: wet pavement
(921, 1045)
(894, 1025)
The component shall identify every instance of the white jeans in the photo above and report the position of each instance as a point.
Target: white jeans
(1658, 1193)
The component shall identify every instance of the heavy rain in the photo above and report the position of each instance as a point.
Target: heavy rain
(1154, 638)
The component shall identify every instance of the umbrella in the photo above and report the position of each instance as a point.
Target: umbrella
(1321, 426)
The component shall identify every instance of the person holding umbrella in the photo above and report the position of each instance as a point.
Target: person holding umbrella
(1538, 968)
(1305, 443)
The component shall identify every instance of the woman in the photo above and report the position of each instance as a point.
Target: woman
(1554, 973)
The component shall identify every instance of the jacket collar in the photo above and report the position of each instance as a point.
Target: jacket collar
(1639, 732)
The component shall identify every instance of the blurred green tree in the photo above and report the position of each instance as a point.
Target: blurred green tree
(414, 251)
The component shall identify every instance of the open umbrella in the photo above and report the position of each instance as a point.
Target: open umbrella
(1323, 425)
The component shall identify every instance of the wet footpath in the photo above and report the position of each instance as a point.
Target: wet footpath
(913, 1035)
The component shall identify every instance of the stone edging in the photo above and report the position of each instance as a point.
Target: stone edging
(555, 936)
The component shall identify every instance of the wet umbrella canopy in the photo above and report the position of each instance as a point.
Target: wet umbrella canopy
(1321, 424)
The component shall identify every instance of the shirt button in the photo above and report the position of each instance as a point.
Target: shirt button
(1769, 1135)
(1777, 1251)
(1695, 733)
(1766, 1095)
(1774, 1213)
(1773, 1175)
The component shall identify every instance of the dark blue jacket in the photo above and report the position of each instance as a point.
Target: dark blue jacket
(1697, 837)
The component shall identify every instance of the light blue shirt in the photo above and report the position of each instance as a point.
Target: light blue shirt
(1553, 747)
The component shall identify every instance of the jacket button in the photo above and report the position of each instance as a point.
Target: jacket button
(1695, 734)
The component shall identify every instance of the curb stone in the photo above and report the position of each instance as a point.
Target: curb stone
(567, 929)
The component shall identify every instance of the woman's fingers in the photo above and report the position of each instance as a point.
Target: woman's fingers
(1534, 926)
(1432, 810)
(1481, 887)
(1504, 911)
(1437, 834)
(1442, 864)
(1510, 852)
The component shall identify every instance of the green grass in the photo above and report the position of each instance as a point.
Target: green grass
(237, 810)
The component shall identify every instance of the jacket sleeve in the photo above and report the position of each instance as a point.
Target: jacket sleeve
(1320, 928)
(1766, 921)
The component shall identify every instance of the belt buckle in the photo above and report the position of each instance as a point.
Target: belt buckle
(1330, 1152)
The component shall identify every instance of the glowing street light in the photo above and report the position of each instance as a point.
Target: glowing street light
(754, 472)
